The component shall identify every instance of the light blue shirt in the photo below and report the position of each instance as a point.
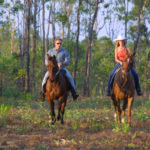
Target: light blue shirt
(62, 56)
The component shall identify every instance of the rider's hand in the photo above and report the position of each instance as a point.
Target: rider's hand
(59, 64)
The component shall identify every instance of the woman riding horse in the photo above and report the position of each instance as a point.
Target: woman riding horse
(121, 52)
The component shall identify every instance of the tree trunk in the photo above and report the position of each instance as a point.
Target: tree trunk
(69, 11)
(27, 48)
(43, 26)
(77, 40)
(86, 91)
(47, 39)
(34, 46)
(62, 34)
(141, 11)
(12, 36)
(53, 22)
(126, 15)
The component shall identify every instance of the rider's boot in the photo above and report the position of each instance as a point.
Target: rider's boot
(139, 92)
(74, 94)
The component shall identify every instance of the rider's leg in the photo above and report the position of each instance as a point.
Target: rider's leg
(42, 94)
(45, 79)
(111, 78)
(71, 81)
(136, 79)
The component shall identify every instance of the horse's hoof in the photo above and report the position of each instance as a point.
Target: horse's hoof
(62, 122)
(123, 120)
(53, 121)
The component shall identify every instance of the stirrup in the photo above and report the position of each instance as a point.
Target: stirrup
(75, 97)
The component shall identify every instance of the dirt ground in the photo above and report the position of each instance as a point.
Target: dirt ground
(67, 139)
(17, 135)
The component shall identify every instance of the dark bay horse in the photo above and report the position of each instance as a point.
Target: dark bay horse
(124, 89)
(56, 89)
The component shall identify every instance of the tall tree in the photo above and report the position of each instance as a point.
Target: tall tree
(77, 38)
(86, 89)
(126, 16)
(34, 45)
(141, 8)
(53, 20)
(43, 27)
(48, 28)
(27, 45)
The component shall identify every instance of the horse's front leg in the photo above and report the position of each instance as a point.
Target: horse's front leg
(130, 102)
(52, 111)
(62, 108)
(59, 108)
(125, 102)
(115, 106)
(119, 111)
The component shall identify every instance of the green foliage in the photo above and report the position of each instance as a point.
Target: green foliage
(25, 113)
(42, 147)
(4, 109)
(125, 127)
(63, 18)
(142, 115)
(132, 145)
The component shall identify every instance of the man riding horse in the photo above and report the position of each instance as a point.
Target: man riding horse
(121, 51)
(63, 60)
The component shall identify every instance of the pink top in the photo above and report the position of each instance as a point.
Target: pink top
(121, 54)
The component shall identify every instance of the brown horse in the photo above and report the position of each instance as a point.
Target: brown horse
(56, 89)
(123, 89)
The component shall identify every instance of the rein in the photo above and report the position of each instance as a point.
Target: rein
(57, 73)
(125, 81)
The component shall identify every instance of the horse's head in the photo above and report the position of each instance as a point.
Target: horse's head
(52, 67)
(128, 63)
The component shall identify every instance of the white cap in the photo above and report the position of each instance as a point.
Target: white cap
(119, 38)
